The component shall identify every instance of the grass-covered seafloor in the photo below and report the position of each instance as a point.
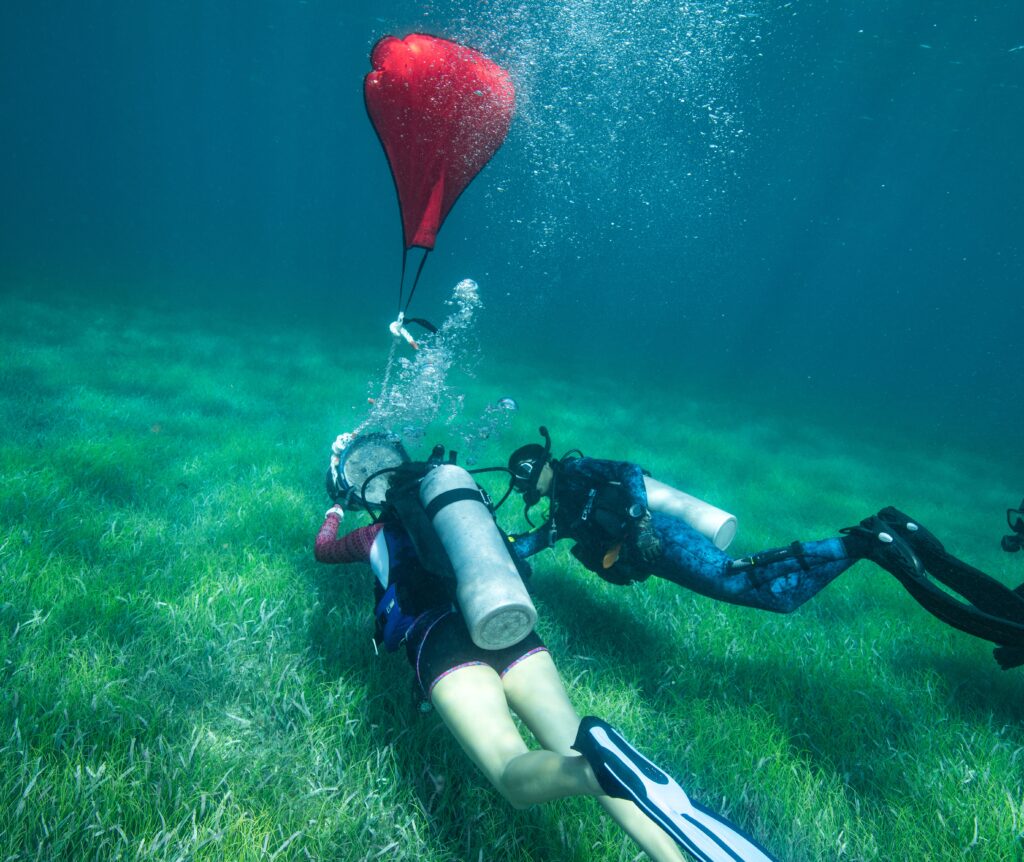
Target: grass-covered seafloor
(180, 679)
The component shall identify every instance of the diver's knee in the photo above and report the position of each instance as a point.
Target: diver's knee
(515, 799)
(504, 782)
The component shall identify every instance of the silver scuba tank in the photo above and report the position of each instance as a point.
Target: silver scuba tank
(490, 593)
(710, 521)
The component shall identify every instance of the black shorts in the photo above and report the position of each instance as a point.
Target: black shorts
(440, 643)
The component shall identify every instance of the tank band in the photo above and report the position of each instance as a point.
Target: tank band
(455, 495)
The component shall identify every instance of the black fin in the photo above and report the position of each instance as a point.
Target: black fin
(1009, 657)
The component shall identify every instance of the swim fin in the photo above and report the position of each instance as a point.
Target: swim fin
(993, 611)
(1009, 657)
(981, 590)
(624, 773)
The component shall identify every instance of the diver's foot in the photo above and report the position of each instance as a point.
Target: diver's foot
(879, 541)
(923, 541)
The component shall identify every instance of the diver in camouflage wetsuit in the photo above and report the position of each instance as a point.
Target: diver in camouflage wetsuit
(602, 506)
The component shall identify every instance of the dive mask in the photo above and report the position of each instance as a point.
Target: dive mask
(1015, 518)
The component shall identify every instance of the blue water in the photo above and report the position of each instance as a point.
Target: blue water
(815, 207)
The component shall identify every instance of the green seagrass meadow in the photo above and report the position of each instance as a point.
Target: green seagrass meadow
(180, 680)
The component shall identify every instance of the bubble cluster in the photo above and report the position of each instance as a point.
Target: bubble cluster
(626, 109)
(415, 391)
(418, 391)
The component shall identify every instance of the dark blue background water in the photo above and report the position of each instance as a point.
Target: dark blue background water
(816, 205)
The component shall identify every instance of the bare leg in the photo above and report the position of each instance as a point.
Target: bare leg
(471, 702)
(536, 693)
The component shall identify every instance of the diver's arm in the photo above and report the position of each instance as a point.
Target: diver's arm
(353, 547)
(527, 544)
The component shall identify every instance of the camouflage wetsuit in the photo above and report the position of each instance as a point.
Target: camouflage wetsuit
(779, 580)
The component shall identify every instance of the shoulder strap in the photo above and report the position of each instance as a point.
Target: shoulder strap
(403, 497)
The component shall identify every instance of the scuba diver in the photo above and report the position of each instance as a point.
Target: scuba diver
(608, 509)
(1015, 520)
(449, 591)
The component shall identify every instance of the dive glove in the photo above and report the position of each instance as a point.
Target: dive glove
(645, 538)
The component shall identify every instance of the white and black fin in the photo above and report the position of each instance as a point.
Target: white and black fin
(623, 772)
